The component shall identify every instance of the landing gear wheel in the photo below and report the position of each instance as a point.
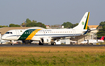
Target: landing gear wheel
(26, 41)
(12, 44)
(40, 43)
(91, 43)
(53, 43)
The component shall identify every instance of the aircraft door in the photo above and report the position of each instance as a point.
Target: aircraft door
(74, 32)
(17, 33)
(44, 32)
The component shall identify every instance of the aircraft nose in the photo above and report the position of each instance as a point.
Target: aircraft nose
(3, 37)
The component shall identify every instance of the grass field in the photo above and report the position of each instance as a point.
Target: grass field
(52, 56)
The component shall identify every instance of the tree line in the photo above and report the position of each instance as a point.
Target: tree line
(27, 23)
(69, 25)
(33, 23)
(101, 28)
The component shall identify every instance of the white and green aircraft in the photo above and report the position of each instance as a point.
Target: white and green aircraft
(47, 35)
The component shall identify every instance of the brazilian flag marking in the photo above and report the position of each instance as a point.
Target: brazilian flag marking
(28, 34)
(86, 23)
(82, 23)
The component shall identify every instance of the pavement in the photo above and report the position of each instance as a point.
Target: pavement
(45, 45)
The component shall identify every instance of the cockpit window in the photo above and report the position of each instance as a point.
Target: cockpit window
(8, 33)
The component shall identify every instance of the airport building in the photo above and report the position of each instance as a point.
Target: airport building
(88, 36)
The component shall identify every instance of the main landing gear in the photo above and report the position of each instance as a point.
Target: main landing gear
(26, 41)
(41, 42)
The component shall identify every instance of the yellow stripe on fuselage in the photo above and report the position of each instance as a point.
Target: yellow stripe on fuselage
(87, 20)
(32, 34)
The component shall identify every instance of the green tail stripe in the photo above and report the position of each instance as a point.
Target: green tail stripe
(26, 34)
(86, 21)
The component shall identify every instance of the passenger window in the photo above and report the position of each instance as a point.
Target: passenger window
(25, 32)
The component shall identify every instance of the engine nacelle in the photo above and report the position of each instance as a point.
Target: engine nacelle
(46, 40)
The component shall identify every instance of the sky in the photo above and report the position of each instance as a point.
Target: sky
(51, 12)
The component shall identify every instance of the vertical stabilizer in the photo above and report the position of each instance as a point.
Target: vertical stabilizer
(102, 38)
(84, 22)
